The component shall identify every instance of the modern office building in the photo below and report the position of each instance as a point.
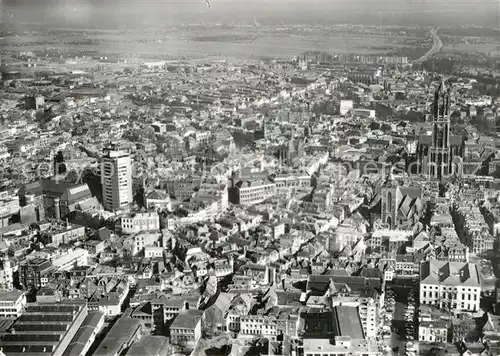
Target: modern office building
(71, 259)
(116, 179)
(12, 304)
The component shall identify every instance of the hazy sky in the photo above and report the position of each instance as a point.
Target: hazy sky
(125, 13)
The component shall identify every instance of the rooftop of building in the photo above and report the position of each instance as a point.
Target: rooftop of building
(187, 319)
(120, 335)
(149, 345)
(10, 296)
(84, 333)
(324, 346)
(346, 322)
(41, 328)
(57, 189)
(449, 273)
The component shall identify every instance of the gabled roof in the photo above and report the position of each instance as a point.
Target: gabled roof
(320, 283)
(245, 299)
(492, 324)
(60, 189)
(158, 195)
(223, 301)
(449, 273)
(412, 192)
(74, 193)
(405, 206)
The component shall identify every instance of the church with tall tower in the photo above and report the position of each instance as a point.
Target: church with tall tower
(440, 154)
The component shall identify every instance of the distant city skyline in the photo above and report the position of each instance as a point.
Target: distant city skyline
(124, 13)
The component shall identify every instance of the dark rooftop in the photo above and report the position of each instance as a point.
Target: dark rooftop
(118, 337)
(346, 322)
(187, 319)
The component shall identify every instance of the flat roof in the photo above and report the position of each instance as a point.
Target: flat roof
(346, 322)
(10, 296)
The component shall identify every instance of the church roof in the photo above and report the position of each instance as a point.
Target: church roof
(76, 193)
(64, 190)
(412, 192)
(443, 87)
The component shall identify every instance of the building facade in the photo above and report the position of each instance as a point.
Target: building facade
(34, 273)
(250, 192)
(140, 222)
(72, 259)
(441, 154)
(186, 328)
(450, 285)
(6, 275)
(429, 331)
(53, 198)
(401, 206)
(116, 179)
(12, 304)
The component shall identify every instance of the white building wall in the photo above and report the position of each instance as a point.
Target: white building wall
(116, 179)
(461, 298)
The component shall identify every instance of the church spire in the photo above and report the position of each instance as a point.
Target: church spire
(442, 102)
(442, 87)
